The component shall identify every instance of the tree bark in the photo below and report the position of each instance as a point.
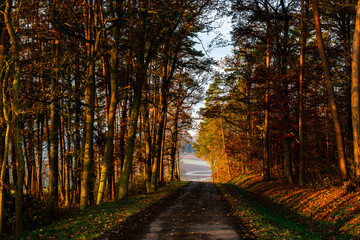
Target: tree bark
(54, 152)
(303, 29)
(160, 131)
(224, 149)
(355, 90)
(148, 147)
(6, 151)
(140, 79)
(130, 142)
(174, 147)
(266, 164)
(19, 226)
(77, 141)
(31, 154)
(123, 126)
(91, 21)
(331, 94)
(39, 152)
(89, 133)
(111, 120)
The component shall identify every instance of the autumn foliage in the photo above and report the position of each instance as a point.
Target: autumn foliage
(95, 100)
(271, 113)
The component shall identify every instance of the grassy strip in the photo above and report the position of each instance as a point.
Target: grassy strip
(269, 220)
(92, 222)
(260, 220)
(330, 208)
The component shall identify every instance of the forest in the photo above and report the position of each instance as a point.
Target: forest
(97, 97)
(286, 105)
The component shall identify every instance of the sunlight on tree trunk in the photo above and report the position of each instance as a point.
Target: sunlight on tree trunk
(355, 90)
(91, 19)
(19, 225)
(5, 74)
(130, 143)
(111, 120)
(266, 163)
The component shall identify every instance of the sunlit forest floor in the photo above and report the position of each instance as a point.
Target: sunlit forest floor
(274, 210)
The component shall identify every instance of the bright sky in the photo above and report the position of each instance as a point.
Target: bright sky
(206, 38)
(216, 53)
(220, 52)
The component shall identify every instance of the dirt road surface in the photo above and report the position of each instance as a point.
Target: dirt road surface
(194, 169)
(197, 212)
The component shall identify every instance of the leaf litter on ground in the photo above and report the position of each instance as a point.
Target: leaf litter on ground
(275, 210)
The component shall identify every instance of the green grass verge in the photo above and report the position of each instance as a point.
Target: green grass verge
(94, 221)
(271, 221)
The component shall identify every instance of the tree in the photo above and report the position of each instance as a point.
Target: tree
(303, 29)
(154, 26)
(114, 75)
(92, 22)
(355, 75)
(331, 95)
(4, 77)
(15, 55)
(141, 64)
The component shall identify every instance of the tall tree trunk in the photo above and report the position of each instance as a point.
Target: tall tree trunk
(140, 79)
(162, 154)
(111, 120)
(283, 62)
(27, 166)
(62, 156)
(71, 196)
(160, 131)
(6, 151)
(89, 133)
(123, 126)
(67, 162)
(31, 154)
(266, 164)
(77, 141)
(4, 140)
(224, 149)
(167, 74)
(13, 158)
(91, 21)
(331, 94)
(355, 90)
(19, 226)
(131, 134)
(303, 29)
(148, 147)
(173, 174)
(347, 38)
(54, 152)
(39, 152)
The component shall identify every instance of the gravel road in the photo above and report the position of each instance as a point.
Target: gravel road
(196, 212)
